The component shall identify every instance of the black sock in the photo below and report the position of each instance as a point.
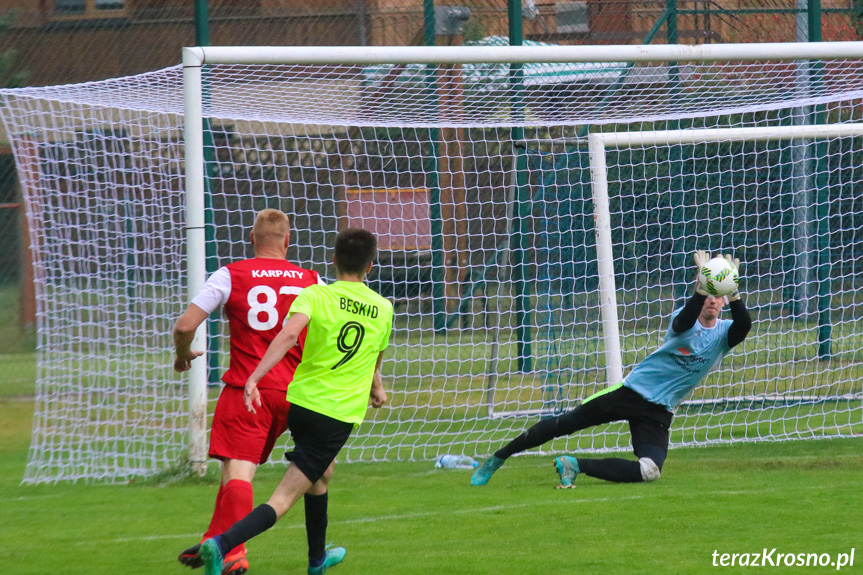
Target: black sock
(545, 430)
(316, 527)
(259, 520)
(612, 469)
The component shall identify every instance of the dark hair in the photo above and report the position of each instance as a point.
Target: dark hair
(355, 250)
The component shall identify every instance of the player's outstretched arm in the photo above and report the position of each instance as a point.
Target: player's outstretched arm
(284, 340)
(378, 393)
(689, 314)
(741, 320)
(184, 333)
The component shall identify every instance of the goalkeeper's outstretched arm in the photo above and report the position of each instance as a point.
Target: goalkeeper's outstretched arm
(691, 310)
(689, 314)
(741, 323)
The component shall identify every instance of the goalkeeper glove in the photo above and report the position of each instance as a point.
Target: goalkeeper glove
(735, 263)
(700, 257)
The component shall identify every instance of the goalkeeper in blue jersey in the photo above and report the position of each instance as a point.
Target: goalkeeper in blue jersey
(696, 341)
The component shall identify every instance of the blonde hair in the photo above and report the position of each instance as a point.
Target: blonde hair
(271, 227)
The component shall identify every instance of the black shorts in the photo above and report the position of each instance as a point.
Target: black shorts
(317, 440)
(648, 422)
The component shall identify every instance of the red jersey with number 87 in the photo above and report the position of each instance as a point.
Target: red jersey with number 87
(260, 294)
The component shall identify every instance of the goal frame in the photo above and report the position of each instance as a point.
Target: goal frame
(194, 58)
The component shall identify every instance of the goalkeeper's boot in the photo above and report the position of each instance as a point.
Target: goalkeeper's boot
(335, 555)
(484, 472)
(235, 562)
(191, 557)
(567, 469)
(212, 557)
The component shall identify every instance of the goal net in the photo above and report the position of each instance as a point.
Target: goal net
(477, 175)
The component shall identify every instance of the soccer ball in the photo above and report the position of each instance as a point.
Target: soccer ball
(718, 277)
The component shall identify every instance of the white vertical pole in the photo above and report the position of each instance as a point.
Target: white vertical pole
(803, 183)
(605, 259)
(195, 252)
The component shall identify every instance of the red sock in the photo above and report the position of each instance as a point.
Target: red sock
(215, 524)
(234, 501)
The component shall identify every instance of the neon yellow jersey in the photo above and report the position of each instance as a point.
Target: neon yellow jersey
(349, 325)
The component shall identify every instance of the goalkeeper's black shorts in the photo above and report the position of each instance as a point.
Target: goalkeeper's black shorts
(648, 422)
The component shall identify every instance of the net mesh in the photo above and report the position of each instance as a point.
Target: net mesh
(480, 194)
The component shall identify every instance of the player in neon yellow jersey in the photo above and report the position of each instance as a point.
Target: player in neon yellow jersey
(349, 327)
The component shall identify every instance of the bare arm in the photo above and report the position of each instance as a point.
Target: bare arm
(284, 340)
(378, 394)
(184, 333)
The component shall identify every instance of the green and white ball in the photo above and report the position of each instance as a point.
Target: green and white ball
(718, 277)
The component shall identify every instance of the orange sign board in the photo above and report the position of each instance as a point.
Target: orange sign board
(399, 217)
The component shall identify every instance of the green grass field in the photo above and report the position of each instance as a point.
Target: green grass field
(797, 497)
(402, 518)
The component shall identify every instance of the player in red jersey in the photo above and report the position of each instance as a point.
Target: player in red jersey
(256, 295)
